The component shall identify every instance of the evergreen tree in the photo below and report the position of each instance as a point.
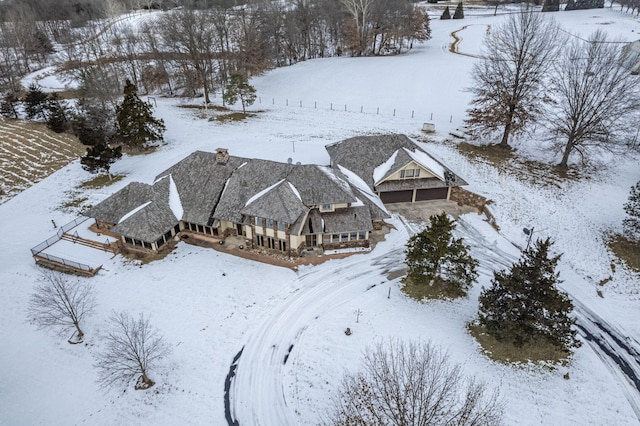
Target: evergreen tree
(35, 102)
(631, 224)
(239, 87)
(435, 258)
(446, 14)
(136, 126)
(100, 157)
(551, 6)
(459, 13)
(8, 106)
(57, 120)
(524, 304)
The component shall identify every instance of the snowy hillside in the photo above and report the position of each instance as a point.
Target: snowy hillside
(210, 305)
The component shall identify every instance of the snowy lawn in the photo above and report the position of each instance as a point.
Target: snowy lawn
(210, 305)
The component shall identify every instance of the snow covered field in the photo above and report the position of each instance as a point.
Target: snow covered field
(210, 305)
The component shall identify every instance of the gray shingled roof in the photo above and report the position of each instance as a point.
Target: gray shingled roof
(345, 220)
(280, 203)
(200, 181)
(151, 222)
(315, 184)
(362, 154)
(112, 209)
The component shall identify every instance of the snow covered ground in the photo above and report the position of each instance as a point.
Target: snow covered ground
(210, 305)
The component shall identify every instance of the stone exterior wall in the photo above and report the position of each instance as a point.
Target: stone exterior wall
(468, 198)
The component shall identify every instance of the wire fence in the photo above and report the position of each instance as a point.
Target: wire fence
(50, 241)
(65, 262)
(355, 108)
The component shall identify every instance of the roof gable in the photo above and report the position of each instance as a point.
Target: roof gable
(280, 202)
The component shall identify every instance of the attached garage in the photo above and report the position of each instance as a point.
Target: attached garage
(432, 194)
(397, 196)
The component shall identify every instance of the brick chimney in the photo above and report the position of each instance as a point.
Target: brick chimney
(222, 155)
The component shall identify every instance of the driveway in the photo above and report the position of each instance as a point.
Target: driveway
(420, 211)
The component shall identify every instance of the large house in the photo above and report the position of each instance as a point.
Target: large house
(277, 206)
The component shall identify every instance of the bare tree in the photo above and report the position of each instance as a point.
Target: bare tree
(412, 384)
(133, 348)
(59, 301)
(360, 11)
(597, 100)
(508, 79)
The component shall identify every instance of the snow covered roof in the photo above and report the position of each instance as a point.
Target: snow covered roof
(279, 202)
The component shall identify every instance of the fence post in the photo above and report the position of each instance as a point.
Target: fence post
(315, 104)
(345, 107)
(377, 110)
(394, 112)
(451, 118)
(411, 113)
(361, 108)
(287, 102)
(300, 104)
(273, 101)
(331, 106)
(431, 118)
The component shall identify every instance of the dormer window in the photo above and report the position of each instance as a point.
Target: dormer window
(326, 207)
(409, 173)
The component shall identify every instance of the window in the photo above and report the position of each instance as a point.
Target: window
(326, 207)
(128, 240)
(335, 238)
(147, 245)
(258, 221)
(353, 236)
(201, 229)
(281, 226)
(271, 243)
(282, 245)
(269, 223)
(362, 235)
(409, 173)
(260, 240)
(344, 237)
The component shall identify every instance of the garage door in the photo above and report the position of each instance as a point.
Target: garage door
(396, 196)
(431, 194)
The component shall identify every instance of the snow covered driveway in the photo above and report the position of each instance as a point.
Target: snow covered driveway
(257, 394)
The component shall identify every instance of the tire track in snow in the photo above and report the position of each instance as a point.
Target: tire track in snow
(255, 394)
(618, 351)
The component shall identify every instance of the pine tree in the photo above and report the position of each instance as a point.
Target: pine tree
(8, 106)
(239, 88)
(136, 126)
(35, 102)
(57, 120)
(435, 258)
(631, 224)
(446, 14)
(524, 305)
(459, 13)
(100, 157)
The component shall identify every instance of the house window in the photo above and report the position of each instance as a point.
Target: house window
(353, 236)
(281, 225)
(201, 229)
(160, 243)
(271, 242)
(258, 221)
(344, 237)
(147, 245)
(260, 240)
(326, 207)
(269, 223)
(362, 235)
(335, 238)
(128, 240)
(409, 173)
(282, 245)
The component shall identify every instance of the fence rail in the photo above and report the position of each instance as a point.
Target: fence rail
(69, 263)
(54, 239)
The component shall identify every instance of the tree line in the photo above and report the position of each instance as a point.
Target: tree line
(196, 47)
